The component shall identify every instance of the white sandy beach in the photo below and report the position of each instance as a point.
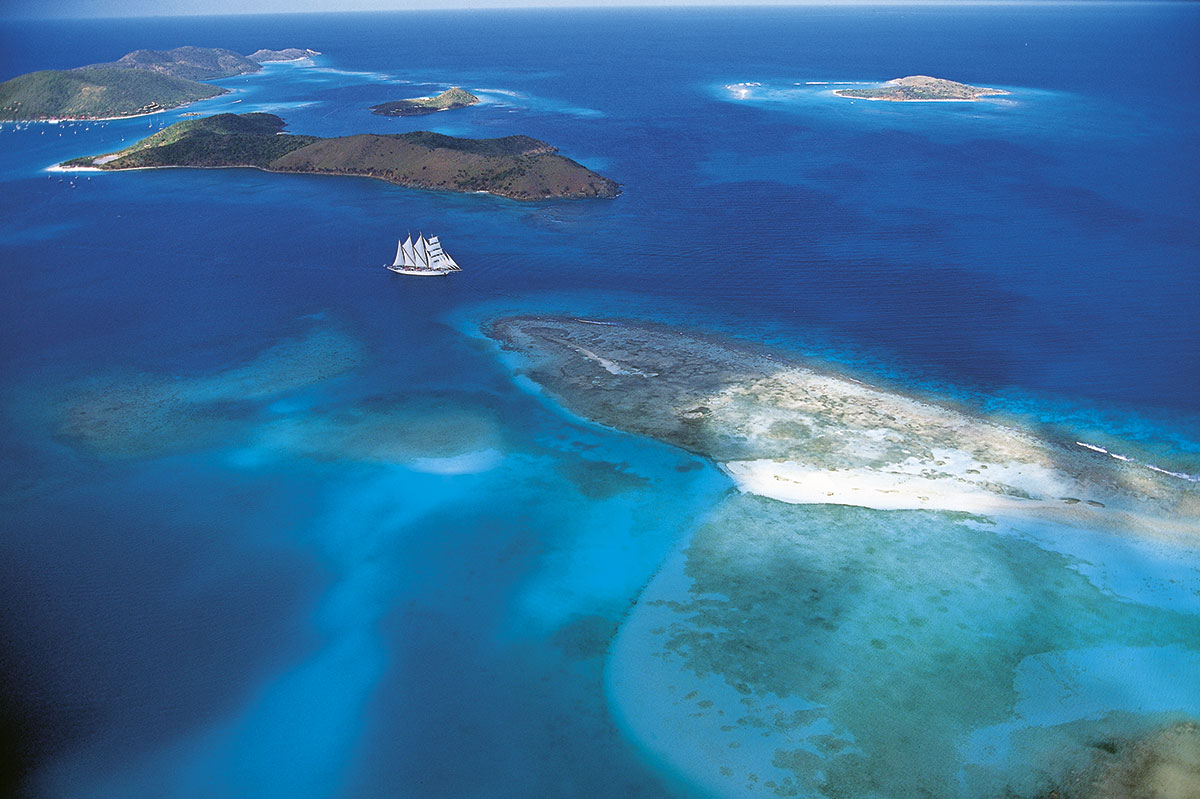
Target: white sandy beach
(910, 485)
(895, 100)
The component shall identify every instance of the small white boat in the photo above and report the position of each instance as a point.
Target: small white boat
(422, 257)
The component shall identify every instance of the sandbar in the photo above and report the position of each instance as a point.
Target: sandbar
(800, 432)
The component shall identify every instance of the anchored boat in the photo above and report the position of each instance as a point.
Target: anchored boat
(422, 257)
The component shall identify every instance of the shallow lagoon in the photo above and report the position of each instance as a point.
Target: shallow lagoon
(821, 651)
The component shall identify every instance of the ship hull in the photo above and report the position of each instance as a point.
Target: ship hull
(416, 272)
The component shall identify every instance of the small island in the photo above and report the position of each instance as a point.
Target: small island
(137, 83)
(287, 54)
(448, 100)
(920, 89)
(516, 167)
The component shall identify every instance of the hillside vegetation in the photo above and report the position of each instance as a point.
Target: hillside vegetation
(96, 93)
(140, 82)
(192, 63)
(222, 140)
(518, 167)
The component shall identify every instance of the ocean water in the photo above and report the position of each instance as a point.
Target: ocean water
(276, 524)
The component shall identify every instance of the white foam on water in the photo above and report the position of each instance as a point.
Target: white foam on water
(1126, 459)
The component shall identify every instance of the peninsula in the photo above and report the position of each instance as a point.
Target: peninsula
(448, 100)
(141, 82)
(516, 167)
(920, 89)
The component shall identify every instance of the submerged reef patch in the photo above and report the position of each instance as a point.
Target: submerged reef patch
(1164, 764)
(151, 414)
(430, 433)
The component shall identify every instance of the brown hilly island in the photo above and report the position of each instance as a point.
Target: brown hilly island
(517, 167)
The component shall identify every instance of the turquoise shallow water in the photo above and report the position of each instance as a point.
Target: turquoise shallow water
(825, 651)
(279, 523)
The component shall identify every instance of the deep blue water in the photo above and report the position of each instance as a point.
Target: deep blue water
(225, 622)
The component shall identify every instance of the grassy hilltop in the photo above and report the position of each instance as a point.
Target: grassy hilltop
(517, 167)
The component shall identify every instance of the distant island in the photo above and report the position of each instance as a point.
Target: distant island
(452, 98)
(920, 89)
(141, 82)
(288, 54)
(517, 167)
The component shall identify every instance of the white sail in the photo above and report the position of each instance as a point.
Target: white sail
(439, 258)
(400, 251)
(422, 252)
(436, 256)
(410, 258)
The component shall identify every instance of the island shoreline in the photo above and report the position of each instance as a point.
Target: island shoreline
(61, 168)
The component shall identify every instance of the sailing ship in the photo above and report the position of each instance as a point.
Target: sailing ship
(424, 256)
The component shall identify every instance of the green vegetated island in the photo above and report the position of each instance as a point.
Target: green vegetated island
(141, 82)
(920, 89)
(517, 167)
(448, 100)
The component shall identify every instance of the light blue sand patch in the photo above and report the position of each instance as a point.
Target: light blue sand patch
(1128, 567)
(532, 102)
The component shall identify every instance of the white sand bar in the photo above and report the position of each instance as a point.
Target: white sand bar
(908, 486)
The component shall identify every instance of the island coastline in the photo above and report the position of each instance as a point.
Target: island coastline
(515, 167)
(449, 100)
(920, 89)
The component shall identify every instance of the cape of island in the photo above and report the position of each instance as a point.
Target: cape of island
(920, 89)
(141, 82)
(448, 100)
(516, 167)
